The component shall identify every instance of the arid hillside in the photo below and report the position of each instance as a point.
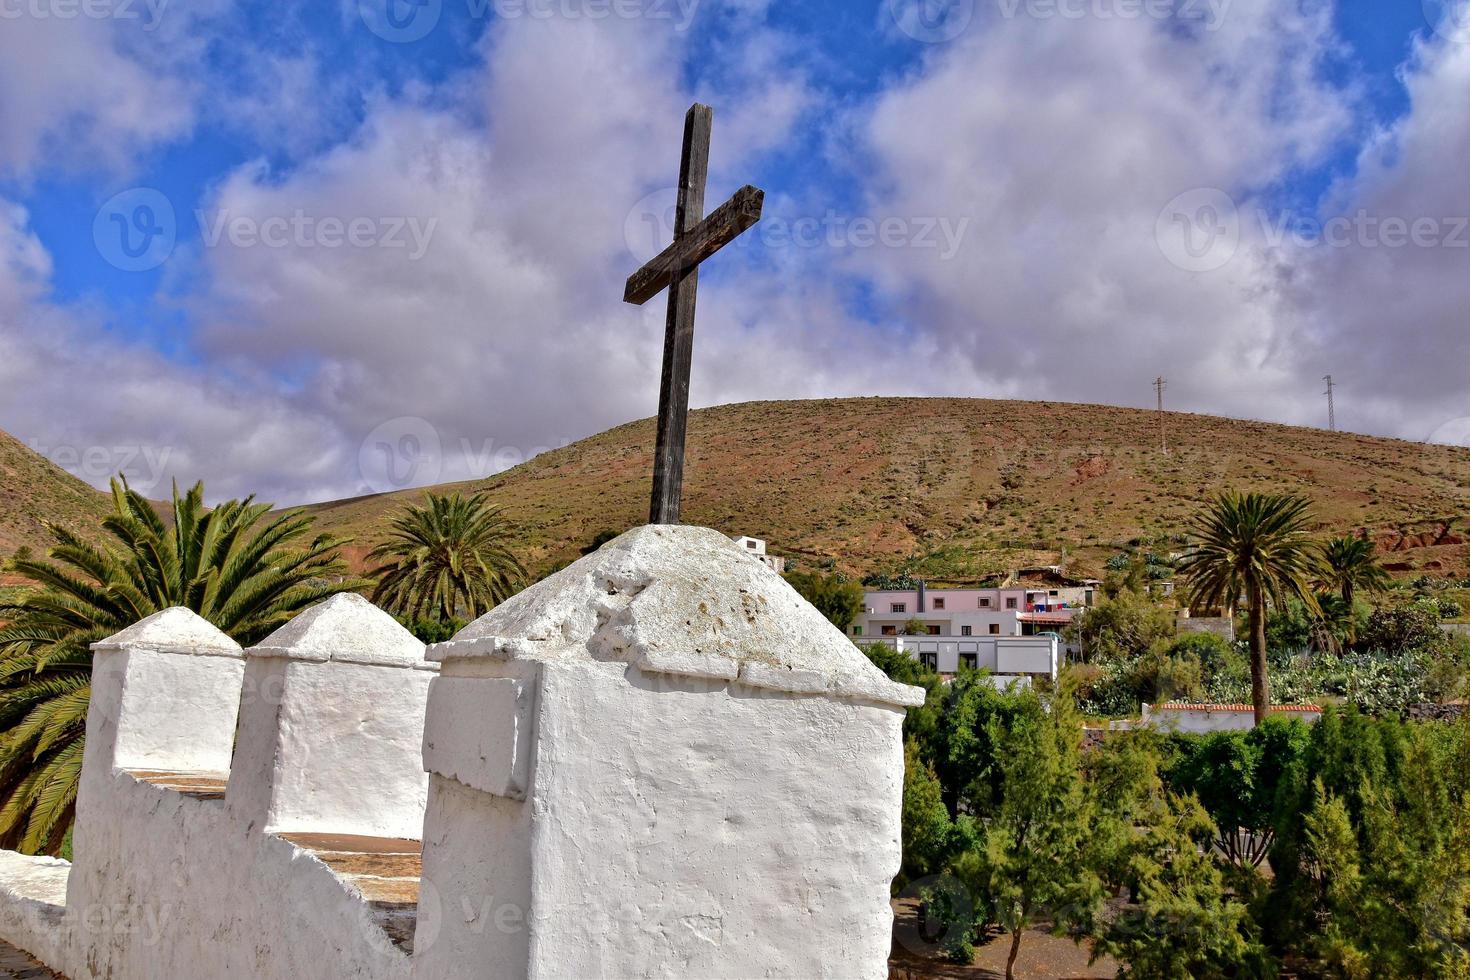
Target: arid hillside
(960, 489)
(34, 490)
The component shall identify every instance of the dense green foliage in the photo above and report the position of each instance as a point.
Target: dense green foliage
(232, 564)
(449, 557)
(1014, 827)
(1364, 821)
(1336, 850)
(835, 595)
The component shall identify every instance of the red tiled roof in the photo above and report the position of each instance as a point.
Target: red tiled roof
(1180, 706)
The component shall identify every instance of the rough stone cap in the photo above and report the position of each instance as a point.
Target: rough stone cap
(346, 629)
(684, 601)
(172, 630)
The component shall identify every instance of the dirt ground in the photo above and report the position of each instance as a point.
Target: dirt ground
(1043, 957)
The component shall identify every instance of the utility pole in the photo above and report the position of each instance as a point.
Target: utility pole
(1159, 385)
(1331, 407)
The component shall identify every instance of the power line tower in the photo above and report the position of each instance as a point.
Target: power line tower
(1159, 385)
(1331, 406)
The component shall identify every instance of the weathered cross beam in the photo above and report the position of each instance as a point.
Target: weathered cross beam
(676, 269)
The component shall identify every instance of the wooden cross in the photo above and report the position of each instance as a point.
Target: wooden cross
(696, 238)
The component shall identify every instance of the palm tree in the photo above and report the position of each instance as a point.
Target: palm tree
(449, 556)
(1351, 563)
(1257, 546)
(231, 565)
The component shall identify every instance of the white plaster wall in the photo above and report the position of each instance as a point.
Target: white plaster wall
(332, 747)
(171, 886)
(674, 827)
(1204, 722)
(184, 716)
(32, 901)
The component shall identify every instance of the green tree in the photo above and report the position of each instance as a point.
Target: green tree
(1026, 859)
(1182, 921)
(231, 564)
(927, 828)
(1256, 546)
(1351, 563)
(1123, 627)
(449, 557)
(833, 594)
(1243, 780)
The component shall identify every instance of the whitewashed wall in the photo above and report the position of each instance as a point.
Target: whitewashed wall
(703, 779)
(167, 885)
(659, 762)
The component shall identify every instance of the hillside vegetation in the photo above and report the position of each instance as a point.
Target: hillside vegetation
(957, 490)
(961, 489)
(33, 490)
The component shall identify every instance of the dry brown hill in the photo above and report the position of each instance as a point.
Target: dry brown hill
(960, 489)
(34, 490)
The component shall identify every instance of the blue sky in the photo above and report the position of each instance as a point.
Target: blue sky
(1032, 159)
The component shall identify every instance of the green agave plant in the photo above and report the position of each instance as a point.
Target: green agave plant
(231, 564)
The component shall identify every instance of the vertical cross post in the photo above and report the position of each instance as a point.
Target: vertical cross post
(676, 268)
(673, 396)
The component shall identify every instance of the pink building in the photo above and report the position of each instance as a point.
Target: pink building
(1022, 610)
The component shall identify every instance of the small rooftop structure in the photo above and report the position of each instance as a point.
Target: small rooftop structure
(756, 548)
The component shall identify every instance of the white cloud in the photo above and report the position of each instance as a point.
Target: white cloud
(1060, 140)
(1051, 144)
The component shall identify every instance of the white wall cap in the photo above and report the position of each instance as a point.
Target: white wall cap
(173, 630)
(347, 629)
(679, 600)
